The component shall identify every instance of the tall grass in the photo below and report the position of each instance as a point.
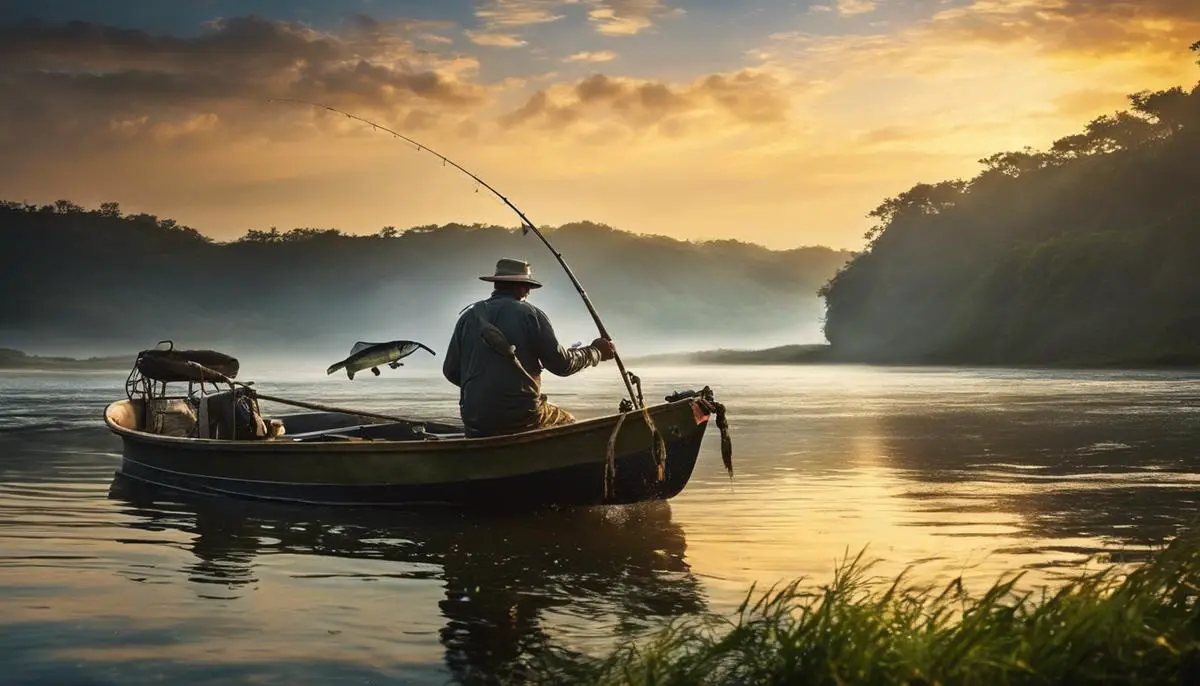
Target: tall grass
(1105, 627)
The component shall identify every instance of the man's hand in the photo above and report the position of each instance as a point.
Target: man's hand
(606, 347)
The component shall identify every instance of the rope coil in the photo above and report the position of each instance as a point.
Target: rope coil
(705, 400)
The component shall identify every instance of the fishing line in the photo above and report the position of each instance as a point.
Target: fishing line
(526, 227)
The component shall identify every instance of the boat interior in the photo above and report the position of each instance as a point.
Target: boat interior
(232, 412)
(213, 406)
(337, 426)
(180, 417)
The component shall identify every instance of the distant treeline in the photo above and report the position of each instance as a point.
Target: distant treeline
(1083, 253)
(783, 354)
(115, 282)
(15, 359)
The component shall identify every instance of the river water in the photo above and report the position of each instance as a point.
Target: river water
(965, 472)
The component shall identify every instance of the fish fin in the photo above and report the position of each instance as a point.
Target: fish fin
(349, 373)
(395, 365)
(361, 345)
(375, 371)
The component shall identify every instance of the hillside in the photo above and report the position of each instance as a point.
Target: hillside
(779, 355)
(80, 282)
(1081, 254)
(15, 359)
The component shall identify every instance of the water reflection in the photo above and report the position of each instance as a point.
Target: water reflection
(605, 571)
(977, 472)
(1129, 481)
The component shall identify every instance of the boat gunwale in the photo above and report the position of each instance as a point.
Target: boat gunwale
(383, 445)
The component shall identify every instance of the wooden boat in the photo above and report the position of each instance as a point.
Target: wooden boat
(332, 458)
(350, 458)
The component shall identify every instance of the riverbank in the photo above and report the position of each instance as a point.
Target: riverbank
(784, 354)
(823, 353)
(16, 360)
(1134, 628)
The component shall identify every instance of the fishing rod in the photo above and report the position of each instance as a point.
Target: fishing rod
(526, 227)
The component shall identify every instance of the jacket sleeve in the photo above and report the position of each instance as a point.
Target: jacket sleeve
(556, 359)
(451, 365)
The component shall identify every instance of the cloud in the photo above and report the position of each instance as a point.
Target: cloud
(814, 131)
(890, 134)
(628, 17)
(609, 17)
(198, 123)
(435, 38)
(510, 13)
(70, 81)
(978, 78)
(967, 40)
(599, 56)
(496, 40)
(849, 8)
(742, 97)
(1097, 28)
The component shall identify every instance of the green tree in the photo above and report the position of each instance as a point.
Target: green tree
(1081, 253)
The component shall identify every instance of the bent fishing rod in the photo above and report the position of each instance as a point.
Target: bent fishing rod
(526, 225)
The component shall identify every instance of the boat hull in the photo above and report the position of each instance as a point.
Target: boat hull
(557, 467)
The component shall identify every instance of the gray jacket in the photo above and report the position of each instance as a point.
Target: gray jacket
(495, 396)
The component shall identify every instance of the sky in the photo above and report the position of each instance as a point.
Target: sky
(776, 122)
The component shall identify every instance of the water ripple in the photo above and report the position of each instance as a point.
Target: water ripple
(971, 472)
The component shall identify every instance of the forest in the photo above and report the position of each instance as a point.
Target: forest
(1084, 253)
(101, 282)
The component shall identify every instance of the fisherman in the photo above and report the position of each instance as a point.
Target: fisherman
(498, 351)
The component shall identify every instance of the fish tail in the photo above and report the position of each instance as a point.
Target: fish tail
(335, 367)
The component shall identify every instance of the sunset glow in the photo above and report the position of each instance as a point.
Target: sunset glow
(781, 123)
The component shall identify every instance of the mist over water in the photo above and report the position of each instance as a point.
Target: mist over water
(431, 324)
(135, 280)
(974, 472)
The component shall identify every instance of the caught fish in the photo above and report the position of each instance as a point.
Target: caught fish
(374, 355)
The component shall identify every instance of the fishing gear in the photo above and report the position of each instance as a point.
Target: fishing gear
(526, 227)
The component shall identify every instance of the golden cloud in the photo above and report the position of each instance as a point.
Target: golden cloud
(496, 40)
(598, 56)
(849, 8)
(510, 13)
(1096, 28)
(610, 17)
(628, 17)
(747, 97)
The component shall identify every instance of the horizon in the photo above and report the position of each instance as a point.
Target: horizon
(793, 121)
(236, 237)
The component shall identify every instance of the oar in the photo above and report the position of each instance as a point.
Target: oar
(218, 376)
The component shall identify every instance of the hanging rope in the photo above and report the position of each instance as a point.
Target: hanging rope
(718, 409)
(610, 462)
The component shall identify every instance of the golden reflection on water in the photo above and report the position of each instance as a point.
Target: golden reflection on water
(956, 472)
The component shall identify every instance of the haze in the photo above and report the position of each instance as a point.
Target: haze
(137, 279)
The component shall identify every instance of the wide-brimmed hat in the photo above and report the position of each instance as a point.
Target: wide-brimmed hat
(517, 271)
